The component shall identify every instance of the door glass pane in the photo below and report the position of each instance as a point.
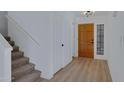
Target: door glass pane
(100, 39)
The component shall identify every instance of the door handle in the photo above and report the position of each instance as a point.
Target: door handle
(92, 41)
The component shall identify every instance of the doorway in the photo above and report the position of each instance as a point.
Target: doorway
(86, 40)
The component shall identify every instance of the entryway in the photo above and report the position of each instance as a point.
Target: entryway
(83, 70)
(86, 40)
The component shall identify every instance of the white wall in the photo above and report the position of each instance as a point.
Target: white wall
(116, 45)
(42, 26)
(62, 34)
(67, 19)
(3, 23)
(96, 20)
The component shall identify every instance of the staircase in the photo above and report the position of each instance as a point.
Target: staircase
(22, 70)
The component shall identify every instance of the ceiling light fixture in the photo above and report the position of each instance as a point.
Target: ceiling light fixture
(87, 13)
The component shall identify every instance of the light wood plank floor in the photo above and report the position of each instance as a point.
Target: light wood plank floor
(83, 70)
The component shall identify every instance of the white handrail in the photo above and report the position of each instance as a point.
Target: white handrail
(16, 23)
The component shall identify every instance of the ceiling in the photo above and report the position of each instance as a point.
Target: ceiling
(97, 13)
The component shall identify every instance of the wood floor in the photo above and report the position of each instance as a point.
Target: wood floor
(83, 70)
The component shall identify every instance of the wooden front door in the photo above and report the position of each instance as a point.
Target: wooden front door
(86, 40)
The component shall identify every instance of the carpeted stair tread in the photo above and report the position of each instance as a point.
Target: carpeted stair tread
(15, 48)
(13, 79)
(7, 38)
(31, 77)
(16, 55)
(12, 43)
(18, 72)
(39, 80)
(20, 62)
(22, 70)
